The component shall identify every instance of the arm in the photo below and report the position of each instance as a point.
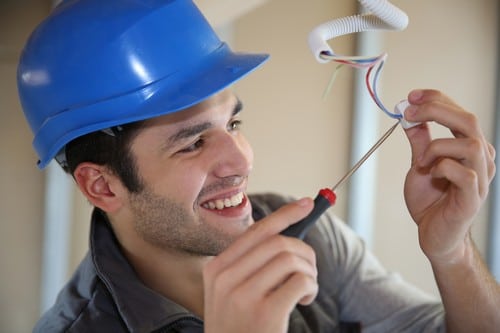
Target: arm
(444, 189)
(471, 296)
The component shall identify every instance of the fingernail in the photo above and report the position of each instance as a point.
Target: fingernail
(303, 201)
(415, 95)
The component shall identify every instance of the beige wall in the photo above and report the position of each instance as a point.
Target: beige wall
(21, 189)
(301, 142)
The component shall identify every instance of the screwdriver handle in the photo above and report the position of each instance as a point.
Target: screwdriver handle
(324, 200)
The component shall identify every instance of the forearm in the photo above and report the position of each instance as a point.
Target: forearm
(470, 294)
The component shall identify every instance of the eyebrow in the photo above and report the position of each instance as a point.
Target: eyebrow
(190, 131)
(238, 107)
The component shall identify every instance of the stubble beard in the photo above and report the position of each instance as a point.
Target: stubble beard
(167, 224)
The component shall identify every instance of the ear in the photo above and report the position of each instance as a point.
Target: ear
(102, 188)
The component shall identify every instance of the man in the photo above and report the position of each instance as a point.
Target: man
(132, 98)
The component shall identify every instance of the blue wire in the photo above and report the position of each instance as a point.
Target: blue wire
(375, 94)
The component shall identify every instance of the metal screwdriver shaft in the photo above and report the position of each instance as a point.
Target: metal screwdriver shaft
(365, 157)
(326, 197)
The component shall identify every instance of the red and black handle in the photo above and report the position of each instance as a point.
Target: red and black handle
(324, 200)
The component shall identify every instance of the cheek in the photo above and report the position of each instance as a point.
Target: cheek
(180, 182)
(185, 183)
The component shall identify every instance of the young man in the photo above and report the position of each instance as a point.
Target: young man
(132, 98)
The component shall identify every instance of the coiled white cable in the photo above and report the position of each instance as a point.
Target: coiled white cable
(382, 16)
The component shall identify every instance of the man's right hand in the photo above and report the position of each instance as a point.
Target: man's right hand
(258, 280)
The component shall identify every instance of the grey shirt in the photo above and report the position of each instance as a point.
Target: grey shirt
(356, 292)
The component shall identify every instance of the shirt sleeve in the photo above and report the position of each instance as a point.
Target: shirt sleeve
(366, 292)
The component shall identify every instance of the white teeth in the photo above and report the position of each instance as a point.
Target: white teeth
(236, 200)
(219, 204)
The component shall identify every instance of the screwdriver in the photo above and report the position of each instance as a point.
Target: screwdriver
(327, 197)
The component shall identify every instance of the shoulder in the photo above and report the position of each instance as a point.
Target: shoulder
(83, 303)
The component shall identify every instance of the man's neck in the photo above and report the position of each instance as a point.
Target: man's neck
(177, 276)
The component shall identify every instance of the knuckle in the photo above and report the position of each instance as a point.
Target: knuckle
(475, 146)
(311, 254)
(306, 282)
(282, 242)
(471, 120)
(492, 151)
(492, 168)
(470, 177)
(290, 246)
(434, 147)
(289, 259)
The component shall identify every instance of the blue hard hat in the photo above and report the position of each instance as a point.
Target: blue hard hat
(94, 64)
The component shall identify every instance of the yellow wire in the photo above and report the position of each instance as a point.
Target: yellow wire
(332, 79)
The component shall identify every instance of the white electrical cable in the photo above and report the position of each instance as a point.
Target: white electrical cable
(382, 16)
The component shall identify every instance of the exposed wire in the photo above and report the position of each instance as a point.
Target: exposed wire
(382, 15)
(332, 79)
(373, 65)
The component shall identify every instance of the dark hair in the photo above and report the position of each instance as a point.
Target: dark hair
(110, 148)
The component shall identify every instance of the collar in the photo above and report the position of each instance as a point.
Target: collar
(141, 308)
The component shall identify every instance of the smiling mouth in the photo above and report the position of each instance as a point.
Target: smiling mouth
(229, 202)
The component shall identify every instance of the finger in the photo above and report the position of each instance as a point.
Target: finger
(491, 154)
(419, 138)
(421, 96)
(468, 152)
(491, 151)
(297, 289)
(434, 106)
(274, 275)
(465, 185)
(271, 225)
(252, 262)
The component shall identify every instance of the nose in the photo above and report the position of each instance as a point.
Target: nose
(234, 156)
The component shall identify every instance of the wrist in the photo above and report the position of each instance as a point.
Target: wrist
(462, 257)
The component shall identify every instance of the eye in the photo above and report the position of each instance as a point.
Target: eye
(194, 146)
(235, 125)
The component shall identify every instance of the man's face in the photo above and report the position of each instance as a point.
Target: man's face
(195, 166)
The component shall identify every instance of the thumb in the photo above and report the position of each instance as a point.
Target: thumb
(419, 138)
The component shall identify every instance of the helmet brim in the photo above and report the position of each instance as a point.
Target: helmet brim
(167, 95)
